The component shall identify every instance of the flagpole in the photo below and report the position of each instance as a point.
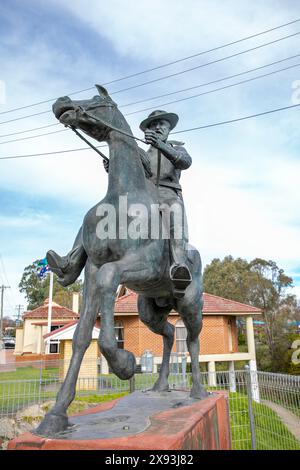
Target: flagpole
(49, 310)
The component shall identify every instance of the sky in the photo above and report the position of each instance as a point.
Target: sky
(242, 193)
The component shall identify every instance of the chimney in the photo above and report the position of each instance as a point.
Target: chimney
(75, 302)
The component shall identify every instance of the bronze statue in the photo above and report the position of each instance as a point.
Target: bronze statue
(142, 261)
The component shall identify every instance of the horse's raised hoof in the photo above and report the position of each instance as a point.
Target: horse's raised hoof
(124, 366)
(52, 424)
(199, 393)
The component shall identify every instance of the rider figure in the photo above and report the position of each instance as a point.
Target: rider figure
(166, 160)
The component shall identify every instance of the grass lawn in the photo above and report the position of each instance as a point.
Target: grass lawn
(23, 387)
(29, 373)
(271, 433)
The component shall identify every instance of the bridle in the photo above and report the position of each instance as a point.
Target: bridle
(109, 126)
(101, 121)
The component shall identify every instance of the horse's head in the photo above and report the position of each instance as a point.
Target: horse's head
(93, 116)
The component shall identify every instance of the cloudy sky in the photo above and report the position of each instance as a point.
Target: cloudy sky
(243, 191)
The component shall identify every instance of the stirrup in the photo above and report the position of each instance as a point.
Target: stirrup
(181, 278)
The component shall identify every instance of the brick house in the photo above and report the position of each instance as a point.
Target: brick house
(218, 339)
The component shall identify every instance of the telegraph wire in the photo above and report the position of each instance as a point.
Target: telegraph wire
(243, 118)
(206, 64)
(215, 89)
(166, 94)
(50, 153)
(173, 74)
(169, 94)
(164, 65)
(28, 130)
(33, 136)
(212, 82)
(174, 101)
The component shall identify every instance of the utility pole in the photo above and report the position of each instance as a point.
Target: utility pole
(2, 288)
(19, 308)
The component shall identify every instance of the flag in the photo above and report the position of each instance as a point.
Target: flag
(43, 264)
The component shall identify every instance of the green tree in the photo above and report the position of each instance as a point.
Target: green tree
(269, 294)
(263, 284)
(230, 278)
(37, 291)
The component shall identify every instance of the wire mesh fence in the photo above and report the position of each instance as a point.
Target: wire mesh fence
(264, 408)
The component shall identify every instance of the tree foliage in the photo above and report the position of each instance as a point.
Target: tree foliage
(37, 291)
(263, 284)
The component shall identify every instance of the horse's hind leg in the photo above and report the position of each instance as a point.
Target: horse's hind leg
(56, 420)
(156, 319)
(190, 310)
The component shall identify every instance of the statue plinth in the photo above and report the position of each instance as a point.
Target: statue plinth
(143, 421)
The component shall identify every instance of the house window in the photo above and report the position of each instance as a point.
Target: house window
(230, 334)
(54, 344)
(119, 332)
(181, 334)
(54, 347)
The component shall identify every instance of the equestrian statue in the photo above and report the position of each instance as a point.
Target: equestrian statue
(137, 237)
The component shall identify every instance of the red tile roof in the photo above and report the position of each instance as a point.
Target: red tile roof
(128, 304)
(212, 304)
(57, 312)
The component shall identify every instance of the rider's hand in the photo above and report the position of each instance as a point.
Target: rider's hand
(106, 165)
(153, 138)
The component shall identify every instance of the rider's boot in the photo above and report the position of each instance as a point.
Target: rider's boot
(180, 274)
(67, 268)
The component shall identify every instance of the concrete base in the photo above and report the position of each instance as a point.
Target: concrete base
(142, 421)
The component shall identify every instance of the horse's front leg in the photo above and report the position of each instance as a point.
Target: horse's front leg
(122, 362)
(56, 420)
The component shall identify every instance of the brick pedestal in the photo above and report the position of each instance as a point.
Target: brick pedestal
(200, 425)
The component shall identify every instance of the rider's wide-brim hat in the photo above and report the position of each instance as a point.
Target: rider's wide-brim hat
(159, 114)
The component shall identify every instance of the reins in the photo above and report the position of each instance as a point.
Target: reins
(73, 128)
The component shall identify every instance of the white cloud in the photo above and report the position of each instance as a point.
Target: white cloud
(242, 193)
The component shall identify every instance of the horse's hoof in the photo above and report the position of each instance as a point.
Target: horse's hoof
(160, 387)
(52, 424)
(199, 393)
(125, 364)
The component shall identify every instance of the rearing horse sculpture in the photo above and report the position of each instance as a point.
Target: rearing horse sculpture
(142, 264)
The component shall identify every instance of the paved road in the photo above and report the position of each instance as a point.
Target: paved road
(7, 360)
(291, 421)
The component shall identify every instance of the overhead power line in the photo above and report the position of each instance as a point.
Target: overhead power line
(216, 89)
(33, 136)
(164, 65)
(228, 77)
(173, 74)
(172, 102)
(238, 119)
(28, 130)
(243, 118)
(207, 63)
(50, 153)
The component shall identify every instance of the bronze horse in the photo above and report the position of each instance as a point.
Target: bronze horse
(142, 264)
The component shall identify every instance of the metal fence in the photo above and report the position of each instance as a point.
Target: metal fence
(264, 408)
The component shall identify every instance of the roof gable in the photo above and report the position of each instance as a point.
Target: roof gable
(67, 332)
(58, 311)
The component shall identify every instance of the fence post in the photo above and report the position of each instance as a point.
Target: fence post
(132, 384)
(250, 408)
(183, 370)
